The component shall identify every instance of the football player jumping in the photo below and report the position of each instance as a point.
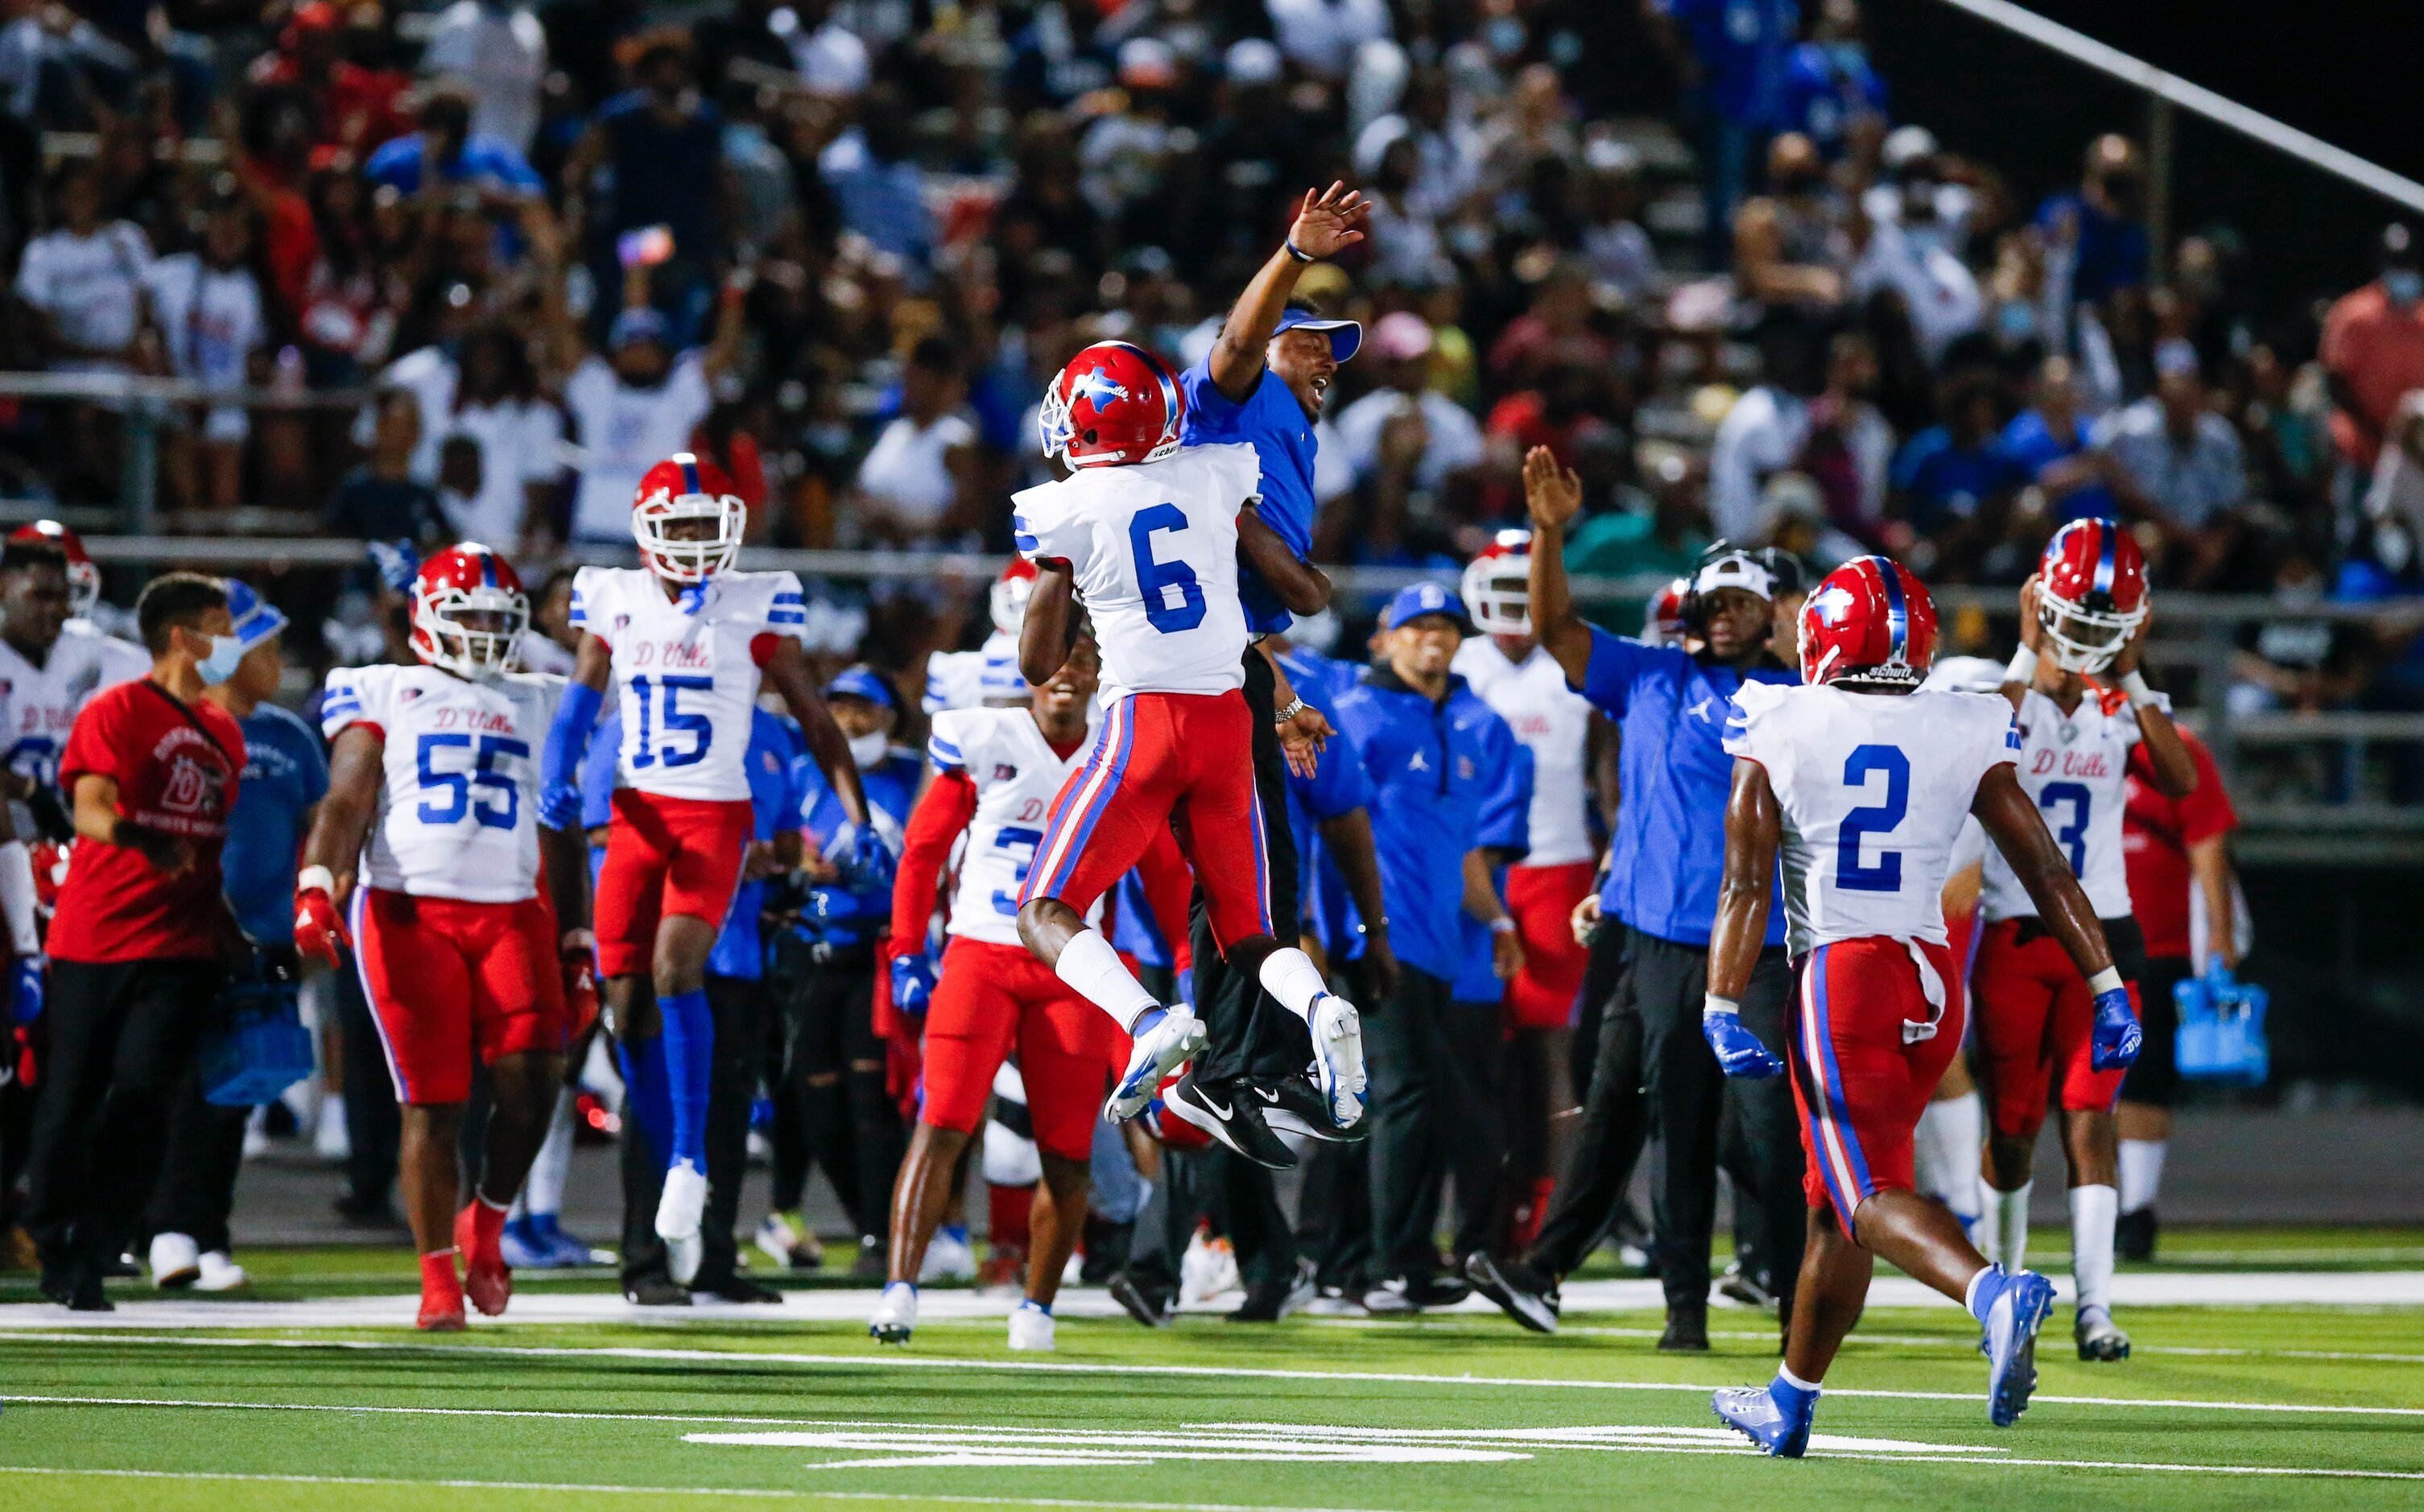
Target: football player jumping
(433, 796)
(2083, 616)
(1149, 537)
(1861, 778)
(689, 642)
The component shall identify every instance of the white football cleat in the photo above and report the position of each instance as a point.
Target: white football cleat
(948, 1257)
(1338, 1057)
(1030, 1326)
(677, 1213)
(176, 1261)
(220, 1273)
(1160, 1051)
(2094, 1331)
(896, 1315)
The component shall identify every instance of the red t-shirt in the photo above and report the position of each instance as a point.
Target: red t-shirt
(176, 765)
(2156, 833)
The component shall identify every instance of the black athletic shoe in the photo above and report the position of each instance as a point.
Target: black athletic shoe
(739, 1288)
(1275, 1296)
(1153, 1308)
(1232, 1114)
(1522, 1292)
(2133, 1234)
(76, 1286)
(1404, 1294)
(1687, 1330)
(1295, 1106)
(1745, 1285)
(655, 1291)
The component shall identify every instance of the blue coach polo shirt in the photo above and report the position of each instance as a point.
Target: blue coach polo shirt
(1338, 787)
(1506, 829)
(1433, 768)
(1670, 853)
(891, 787)
(1274, 424)
(285, 775)
(777, 766)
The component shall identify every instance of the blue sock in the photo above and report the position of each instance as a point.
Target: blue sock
(1984, 1291)
(1145, 1021)
(690, 1065)
(1044, 1308)
(648, 1098)
(957, 1232)
(1791, 1398)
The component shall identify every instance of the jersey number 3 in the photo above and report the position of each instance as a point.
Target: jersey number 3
(1851, 873)
(1155, 578)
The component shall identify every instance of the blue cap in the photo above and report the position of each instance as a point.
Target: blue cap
(1346, 336)
(635, 326)
(865, 682)
(256, 618)
(1416, 599)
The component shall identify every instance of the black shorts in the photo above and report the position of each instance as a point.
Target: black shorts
(2154, 1077)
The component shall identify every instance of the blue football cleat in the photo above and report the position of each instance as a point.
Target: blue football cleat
(2014, 1315)
(1782, 1427)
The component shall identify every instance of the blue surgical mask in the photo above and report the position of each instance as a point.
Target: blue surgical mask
(2404, 285)
(227, 651)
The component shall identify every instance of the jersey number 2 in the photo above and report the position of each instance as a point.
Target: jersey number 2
(1851, 873)
(1156, 578)
(455, 787)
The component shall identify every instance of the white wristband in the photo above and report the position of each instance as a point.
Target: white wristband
(316, 877)
(2023, 668)
(1712, 1003)
(2107, 980)
(17, 899)
(2134, 684)
(1502, 925)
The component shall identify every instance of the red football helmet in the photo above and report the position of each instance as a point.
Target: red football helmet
(1009, 594)
(1662, 618)
(2091, 594)
(452, 587)
(1871, 621)
(84, 579)
(680, 489)
(1113, 405)
(1498, 585)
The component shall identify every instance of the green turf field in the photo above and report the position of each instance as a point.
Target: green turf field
(2257, 1406)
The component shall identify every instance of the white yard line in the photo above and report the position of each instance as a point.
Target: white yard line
(903, 1359)
(585, 1487)
(1936, 1341)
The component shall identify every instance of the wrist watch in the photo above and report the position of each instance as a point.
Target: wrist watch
(1295, 707)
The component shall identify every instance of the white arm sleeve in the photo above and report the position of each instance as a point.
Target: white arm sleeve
(17, 897)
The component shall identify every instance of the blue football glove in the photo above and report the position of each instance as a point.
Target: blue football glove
(2116, 1038)
(913, 983)
(865, 857)
(25, 991)
(1739, 1052)
(396, 562)
(559, 805)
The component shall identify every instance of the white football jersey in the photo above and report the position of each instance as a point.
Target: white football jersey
(1872, 788)
(459, 791)
(687, 670)
(1554, 723)
(1154, 548)
(1016, 776)
(2076, 766)
(988, 677)
(38, 704)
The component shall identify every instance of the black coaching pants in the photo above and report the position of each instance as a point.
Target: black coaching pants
(1432, 1064)
(123, 1036)
(738, 1008)
(1250, 1033)
(1616, 1116)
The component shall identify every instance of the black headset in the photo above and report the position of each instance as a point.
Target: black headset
(1695, 608)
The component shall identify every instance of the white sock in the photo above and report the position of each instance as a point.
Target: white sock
(1950, 1134)
(2092, 1210)
(1785, 1374)
(2010, 1226)
(544, 1191)
(2142, 1172)
(1090, 966)
(1289, 975)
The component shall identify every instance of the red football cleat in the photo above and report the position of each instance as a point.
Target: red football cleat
(478, 1232)
(441, 1296)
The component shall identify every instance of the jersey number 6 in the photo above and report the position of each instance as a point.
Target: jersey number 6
(1155, 577)
(1851, 873)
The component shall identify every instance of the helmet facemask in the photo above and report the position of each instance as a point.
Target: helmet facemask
(2081, 639)
(472, 632)
(676, 548)
(1498, 594)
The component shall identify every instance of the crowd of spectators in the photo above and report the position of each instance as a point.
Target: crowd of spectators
(839, 245)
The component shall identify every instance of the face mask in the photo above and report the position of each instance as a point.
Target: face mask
(2016, 321)
(226, 652)
(867, 750)
(2404, 285)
